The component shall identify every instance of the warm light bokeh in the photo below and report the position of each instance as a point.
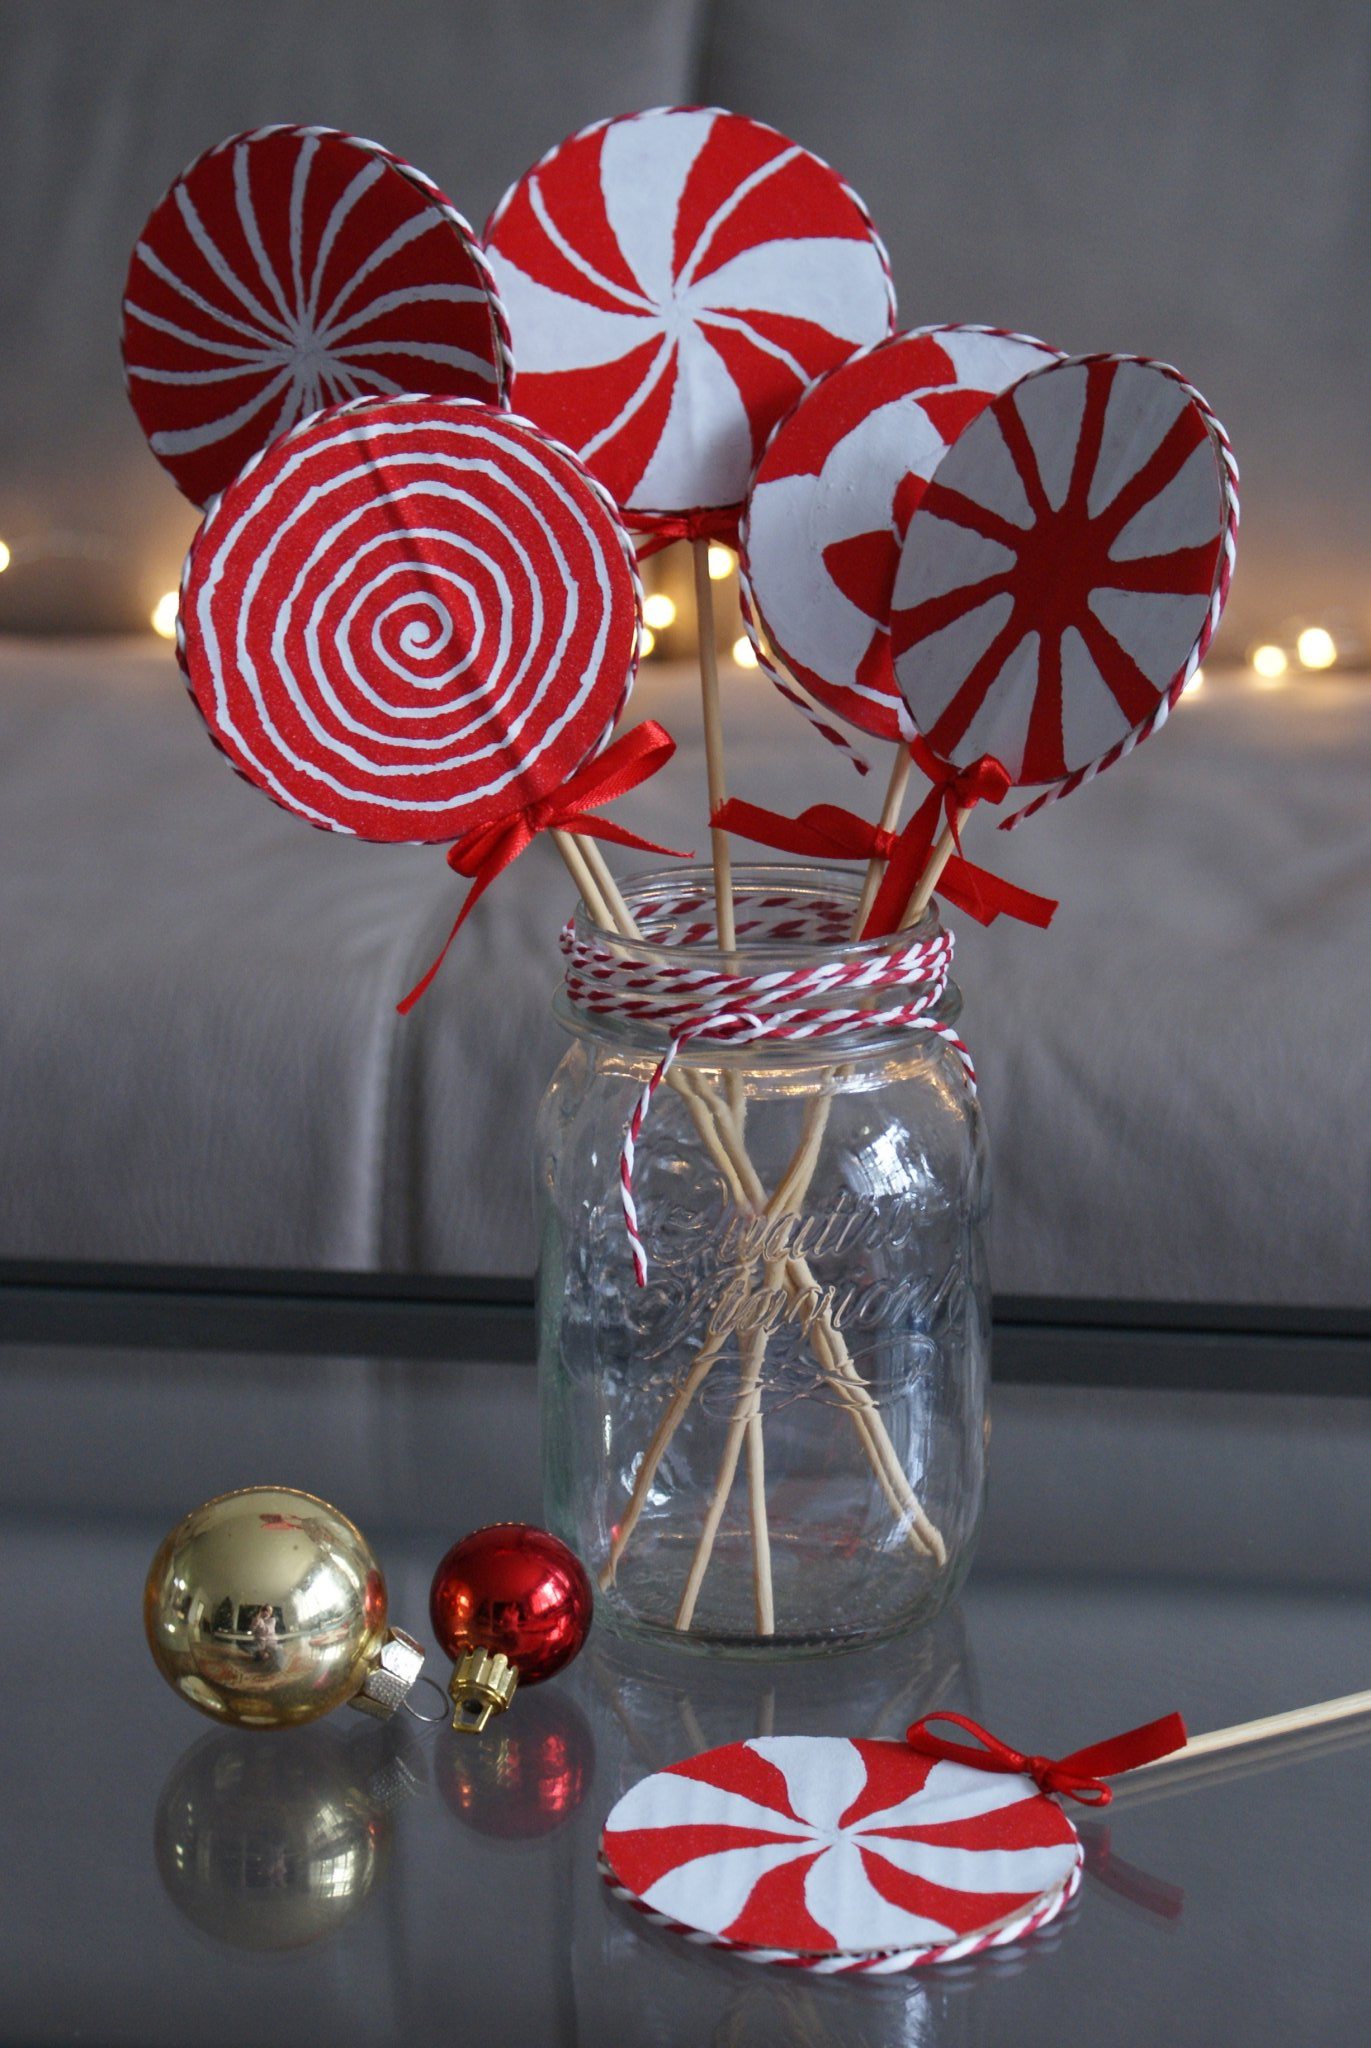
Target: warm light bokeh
(1316, 648)
(744, 653)
(659, 610)
(720, 562)
(164, 615)
(1269, 661)
(647, 640)
(5, 558)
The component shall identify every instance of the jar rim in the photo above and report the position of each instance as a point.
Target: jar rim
(815, 882)
(811, 887)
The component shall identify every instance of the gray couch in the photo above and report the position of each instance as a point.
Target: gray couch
(199, 1056)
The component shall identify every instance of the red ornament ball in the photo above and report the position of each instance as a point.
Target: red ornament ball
(516, 1589)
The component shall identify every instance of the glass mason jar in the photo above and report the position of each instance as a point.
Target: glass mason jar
(778, 1442)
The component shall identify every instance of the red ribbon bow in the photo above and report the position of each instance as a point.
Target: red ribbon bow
(1079, 1776)
(658, 530)
(483, 854)
(828, 832)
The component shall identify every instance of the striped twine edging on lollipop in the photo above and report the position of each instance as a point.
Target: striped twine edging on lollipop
(698, 1003)
(1228, 552)
(886, 1963)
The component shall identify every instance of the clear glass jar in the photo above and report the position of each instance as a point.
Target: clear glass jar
(835, 1347)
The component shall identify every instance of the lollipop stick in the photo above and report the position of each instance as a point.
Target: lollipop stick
(1244, 1732)
(928, 881)
(890, 818)
(714, 746)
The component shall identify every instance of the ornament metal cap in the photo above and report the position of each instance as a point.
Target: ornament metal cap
(391, 1676)
(483, 1683)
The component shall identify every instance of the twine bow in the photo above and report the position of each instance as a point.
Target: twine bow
(485, 853)
(828, 832)
(1079, 1776)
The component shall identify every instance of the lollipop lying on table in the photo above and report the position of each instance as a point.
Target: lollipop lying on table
(417, 620)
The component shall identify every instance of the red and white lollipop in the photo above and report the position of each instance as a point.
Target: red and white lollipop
(410, 618)
(832, 497)
(841, 1855)
(674, 280)
(293, 268)
(1065, 571)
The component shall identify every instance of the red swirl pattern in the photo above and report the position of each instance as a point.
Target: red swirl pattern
(289, 269)
(410, 618)
(674, 280)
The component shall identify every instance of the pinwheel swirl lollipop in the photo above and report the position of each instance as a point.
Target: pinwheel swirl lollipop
(861, 1856)
(416, 619)
(832, 497)
(293, 268)
(1065, 572)
(674, 280)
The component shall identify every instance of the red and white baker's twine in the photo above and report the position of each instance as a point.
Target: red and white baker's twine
(747, 602)
(884, 1964)
(1228, 555)
(707, 1002)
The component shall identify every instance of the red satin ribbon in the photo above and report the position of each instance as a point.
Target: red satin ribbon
(827, 832)
(657, 532)
(482, 855)
(1079, 1776)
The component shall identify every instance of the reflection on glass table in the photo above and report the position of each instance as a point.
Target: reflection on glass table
(171, 1882)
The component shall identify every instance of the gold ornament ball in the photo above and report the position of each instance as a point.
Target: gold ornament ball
(265, 1608)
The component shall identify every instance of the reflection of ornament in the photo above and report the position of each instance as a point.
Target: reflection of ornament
(509, 1602)
(528, 1777)
(269, 1845)
(266, 1608)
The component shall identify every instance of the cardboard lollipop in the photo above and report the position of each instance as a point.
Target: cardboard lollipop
(293, 268)
(832, 497)
(1065, 571)
(674, 279)
(863, 1856)
(417, 619)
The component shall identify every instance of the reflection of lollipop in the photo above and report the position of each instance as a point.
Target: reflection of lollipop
(674, 280)
(417, 619)
(1065, 571)
(292, 268)
(834, 493)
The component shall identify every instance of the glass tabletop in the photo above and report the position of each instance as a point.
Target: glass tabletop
(169, 1881)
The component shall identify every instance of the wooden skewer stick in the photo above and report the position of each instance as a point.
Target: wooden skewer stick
(720, 850)
(728, 1152)
(1295, 1722)
(890, 818)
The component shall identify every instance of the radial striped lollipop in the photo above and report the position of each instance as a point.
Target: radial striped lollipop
(674, 280)
(834, 492)
(410, 618)
(292, 268)
(840, 1855)
(1065, 571)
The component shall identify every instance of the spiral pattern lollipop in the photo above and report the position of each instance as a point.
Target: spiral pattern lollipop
(410, 618)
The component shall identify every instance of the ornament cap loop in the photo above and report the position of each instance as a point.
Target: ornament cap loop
(482, 1684)
(390, 1675)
